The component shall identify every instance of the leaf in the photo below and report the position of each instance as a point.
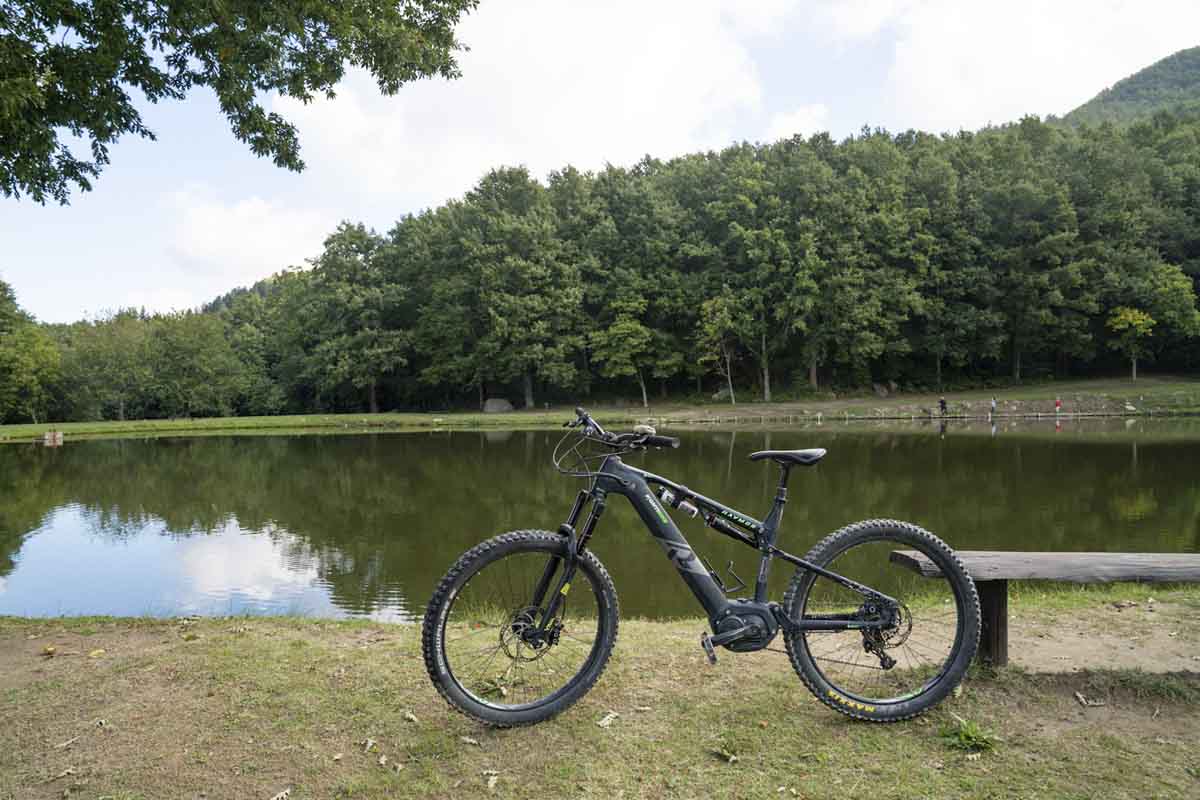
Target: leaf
(608, 719)
(368, 744)
(96, 653)
(284, 795)
(411, 717)
(469, 740)
(49, 650)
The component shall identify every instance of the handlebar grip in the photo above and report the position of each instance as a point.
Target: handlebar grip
(661, 441)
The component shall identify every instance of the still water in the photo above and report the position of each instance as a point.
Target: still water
(364, 525)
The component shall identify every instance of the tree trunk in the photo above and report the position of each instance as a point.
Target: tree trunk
(482, 398)
(528, 389)
(1016, 363)
(372, 398)
(939, 369)
(642, 383)
(766, 371)
(812, 372)
(121, 409)
(1133, 363)
(662, 388)
(729, 378)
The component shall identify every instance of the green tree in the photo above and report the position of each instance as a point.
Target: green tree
(112, 360)
(72, 66)
(29, 368)
(1131, 328)
(194, 371)
(717, 337)
(360, 333)
(529, 295)
(247, 318)
(624, 345)
(770, 290)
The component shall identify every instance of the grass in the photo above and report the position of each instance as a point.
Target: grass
(249, 707)
(1156, 395)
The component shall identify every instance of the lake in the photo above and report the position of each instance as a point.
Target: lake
(365, 525)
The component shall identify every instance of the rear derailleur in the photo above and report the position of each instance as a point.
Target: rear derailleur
(896, 624)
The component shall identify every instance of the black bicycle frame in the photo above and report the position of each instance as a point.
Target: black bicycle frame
(617, 477)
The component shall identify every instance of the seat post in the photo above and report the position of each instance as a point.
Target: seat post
(770, 530)
(784, 469)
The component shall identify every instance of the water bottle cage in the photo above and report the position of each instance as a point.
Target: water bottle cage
(741, 584)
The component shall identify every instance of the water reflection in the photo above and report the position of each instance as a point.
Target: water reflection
(364, 525)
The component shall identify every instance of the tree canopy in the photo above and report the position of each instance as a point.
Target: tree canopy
(72, 69)
(759, 271)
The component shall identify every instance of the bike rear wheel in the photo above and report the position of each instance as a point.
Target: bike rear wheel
(897, 672)
(484, 647)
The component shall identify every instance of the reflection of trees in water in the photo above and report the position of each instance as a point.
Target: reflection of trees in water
(378, 517)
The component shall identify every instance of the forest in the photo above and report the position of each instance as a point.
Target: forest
(762, 271)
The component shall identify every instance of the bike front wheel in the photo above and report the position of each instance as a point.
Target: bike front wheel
(489, 646)
(895, 672)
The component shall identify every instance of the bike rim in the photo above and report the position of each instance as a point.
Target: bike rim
(488, 641)
(923, 643)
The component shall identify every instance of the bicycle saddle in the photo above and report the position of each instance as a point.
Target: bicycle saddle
(805, 458)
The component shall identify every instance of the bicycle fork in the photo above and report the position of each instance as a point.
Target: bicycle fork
(575, 544)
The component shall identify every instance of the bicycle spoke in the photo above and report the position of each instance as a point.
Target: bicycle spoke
(888, 663)
(517, 670)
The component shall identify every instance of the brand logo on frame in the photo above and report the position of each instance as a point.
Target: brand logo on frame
(662, 515)
(739, 519)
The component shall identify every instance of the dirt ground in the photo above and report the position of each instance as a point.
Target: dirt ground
(1126, 634)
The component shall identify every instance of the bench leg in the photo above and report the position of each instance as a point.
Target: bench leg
(993, 638)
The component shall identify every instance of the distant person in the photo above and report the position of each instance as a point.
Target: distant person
(993, 406)
(1058, 405)
(942, 405)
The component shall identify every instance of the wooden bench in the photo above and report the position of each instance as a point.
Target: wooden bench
(992, 570)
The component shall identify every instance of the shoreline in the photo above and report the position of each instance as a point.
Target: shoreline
(1083, 400)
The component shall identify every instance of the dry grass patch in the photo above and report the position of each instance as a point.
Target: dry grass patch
(248, 708)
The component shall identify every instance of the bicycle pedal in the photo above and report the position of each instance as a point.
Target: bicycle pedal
(709, 650)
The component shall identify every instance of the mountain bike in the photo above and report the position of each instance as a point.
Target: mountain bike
(522, 625)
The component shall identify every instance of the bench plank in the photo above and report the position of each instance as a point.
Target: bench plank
(993, 569)
(993, 565)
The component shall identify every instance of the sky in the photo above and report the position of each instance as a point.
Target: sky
(176, 222)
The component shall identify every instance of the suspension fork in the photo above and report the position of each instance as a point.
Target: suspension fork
(575, 546)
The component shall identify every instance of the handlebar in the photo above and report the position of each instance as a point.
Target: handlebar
(661, 441)
(591, 427)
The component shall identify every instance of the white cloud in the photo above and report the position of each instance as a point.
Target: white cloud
(244, 565)
(805, 120)
(216, 245)
(546, 83)
(964, 64)
(856, 19)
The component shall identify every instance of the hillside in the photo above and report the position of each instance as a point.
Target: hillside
(1169, 83)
